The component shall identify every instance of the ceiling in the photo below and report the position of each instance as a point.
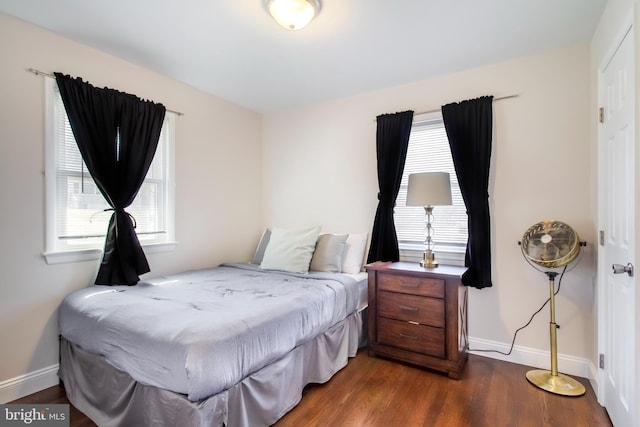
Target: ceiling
(233, 49)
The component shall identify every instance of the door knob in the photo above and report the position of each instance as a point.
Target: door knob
(619, 269)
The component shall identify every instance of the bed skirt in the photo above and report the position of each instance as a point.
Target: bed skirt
(111, 397)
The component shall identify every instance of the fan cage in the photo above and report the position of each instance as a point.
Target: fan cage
(558, 231)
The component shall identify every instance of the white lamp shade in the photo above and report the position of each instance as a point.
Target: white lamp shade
(429, 189)
(293, 14)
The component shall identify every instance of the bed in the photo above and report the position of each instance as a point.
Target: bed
(232, 345)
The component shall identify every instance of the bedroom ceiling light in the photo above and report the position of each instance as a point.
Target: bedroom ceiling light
(293, 14)
(429, 189)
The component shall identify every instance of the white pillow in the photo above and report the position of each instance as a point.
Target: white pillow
(328, 253)
(353, 257)
(290, 249)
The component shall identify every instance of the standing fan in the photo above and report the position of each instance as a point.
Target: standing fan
(552, 244)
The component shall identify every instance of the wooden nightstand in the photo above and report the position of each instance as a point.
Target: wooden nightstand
(418, 315)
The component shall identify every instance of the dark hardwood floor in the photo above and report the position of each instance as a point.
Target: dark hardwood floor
(376, 392)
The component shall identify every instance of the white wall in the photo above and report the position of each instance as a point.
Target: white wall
(319, 166)
(217, 144)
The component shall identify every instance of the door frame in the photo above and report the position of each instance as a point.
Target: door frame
(627, 27)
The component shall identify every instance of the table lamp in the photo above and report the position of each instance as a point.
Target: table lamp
(429, 189)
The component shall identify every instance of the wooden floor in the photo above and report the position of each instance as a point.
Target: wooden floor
(376, 392)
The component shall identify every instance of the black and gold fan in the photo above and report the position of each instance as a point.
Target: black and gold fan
(552, 244)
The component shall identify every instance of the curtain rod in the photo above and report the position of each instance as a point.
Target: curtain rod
(439, 109)
(38, 72)
(500, 98)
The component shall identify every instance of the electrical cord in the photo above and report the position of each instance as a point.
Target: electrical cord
(555, 292)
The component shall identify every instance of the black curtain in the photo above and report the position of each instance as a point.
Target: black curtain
(117, 134)
(469, 129)
(392, 140)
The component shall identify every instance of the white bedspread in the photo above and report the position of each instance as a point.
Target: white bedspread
(200, 332)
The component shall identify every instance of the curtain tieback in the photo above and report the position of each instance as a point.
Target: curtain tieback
(135, 224)
(385, 201)
(382, 199)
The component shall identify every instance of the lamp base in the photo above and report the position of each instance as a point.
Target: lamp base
(428, 259)
(557, 384)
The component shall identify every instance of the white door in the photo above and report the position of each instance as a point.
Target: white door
(616, 200)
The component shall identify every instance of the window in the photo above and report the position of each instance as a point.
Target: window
(77, 213)
(429, 152)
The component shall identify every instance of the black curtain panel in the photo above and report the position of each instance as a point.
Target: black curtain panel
(117, 135)
(469, 129)
(392, 141)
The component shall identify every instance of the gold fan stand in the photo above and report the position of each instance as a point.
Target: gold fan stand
(552, 381)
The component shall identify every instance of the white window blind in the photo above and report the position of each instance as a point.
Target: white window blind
(77, 213)
(429, 151)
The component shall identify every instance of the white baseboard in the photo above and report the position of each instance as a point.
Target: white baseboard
(24, 385)
(593, 379)
(569, 365)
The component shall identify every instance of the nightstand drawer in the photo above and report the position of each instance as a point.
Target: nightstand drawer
(411, 285)
(422, 310)
(417, 338)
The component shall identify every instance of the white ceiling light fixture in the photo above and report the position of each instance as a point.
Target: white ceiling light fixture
(293, 14)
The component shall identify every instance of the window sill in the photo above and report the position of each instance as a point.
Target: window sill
(448, 255)
(61, 257)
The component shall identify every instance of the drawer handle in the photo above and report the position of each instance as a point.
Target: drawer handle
(411, 337)
(412, 309)
(409, 285)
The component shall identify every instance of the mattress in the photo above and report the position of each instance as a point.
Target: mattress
(200, 332)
